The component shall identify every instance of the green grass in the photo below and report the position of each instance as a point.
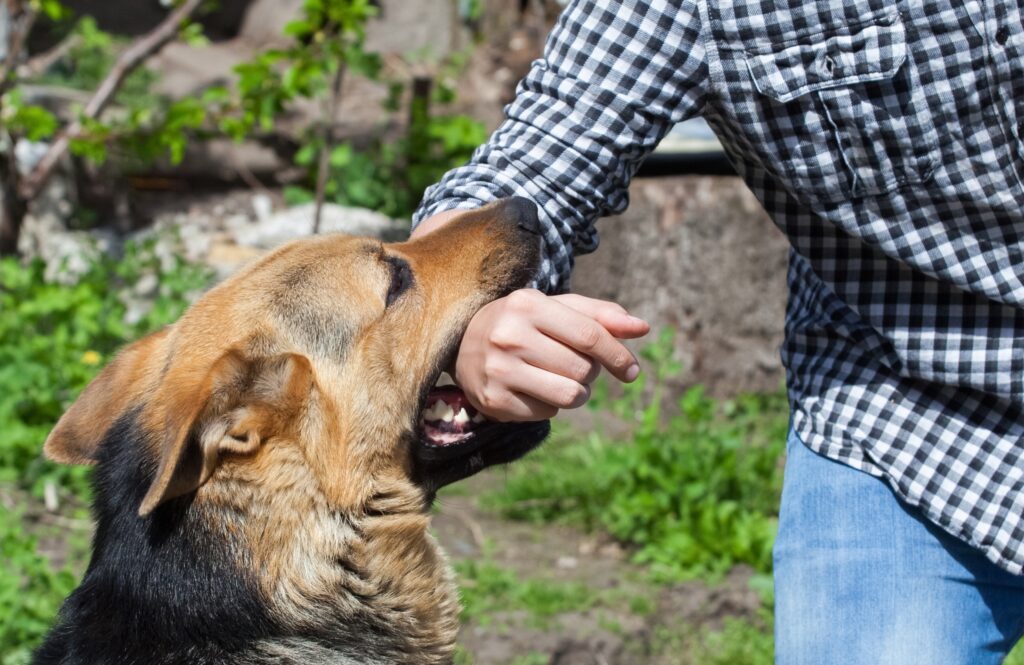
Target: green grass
(30, 591)
(738, 642)
(488, 589)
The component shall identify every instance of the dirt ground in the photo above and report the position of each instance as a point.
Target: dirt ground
(625, 627)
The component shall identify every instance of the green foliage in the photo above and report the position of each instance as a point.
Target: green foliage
(52, 9)
(388, 175)
(328, 35)
(92, 55)
(54, 338)
(695, 495)
(144, 126)
(738, 643)
(30, 591)
(34, 122)
(391, 176)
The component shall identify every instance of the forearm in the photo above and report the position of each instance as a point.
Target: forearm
(614, 78)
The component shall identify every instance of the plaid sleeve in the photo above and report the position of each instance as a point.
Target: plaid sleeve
(615, 76)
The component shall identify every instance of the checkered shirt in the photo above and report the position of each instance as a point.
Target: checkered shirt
(886, 140)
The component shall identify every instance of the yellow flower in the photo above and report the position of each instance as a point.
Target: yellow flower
(91, 358)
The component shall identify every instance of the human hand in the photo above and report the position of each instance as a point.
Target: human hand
(527, 355)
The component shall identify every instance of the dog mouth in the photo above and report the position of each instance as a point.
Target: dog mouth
(447, 418)
(455, 441)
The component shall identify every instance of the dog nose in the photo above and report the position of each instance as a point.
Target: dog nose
(523, 212)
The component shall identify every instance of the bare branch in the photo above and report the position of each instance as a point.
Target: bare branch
(135, 55)
(21, 21)
(40, 64)
(328, 138)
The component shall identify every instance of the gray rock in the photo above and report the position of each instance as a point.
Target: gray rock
(297, 222)
(66, 254)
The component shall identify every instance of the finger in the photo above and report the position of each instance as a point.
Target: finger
(549, 354)
(589, 337)
(515, 407)
(612, 316)
(547, 387)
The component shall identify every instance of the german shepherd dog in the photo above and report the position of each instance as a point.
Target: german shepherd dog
(265, 466)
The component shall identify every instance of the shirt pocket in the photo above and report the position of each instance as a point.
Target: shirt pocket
(843, 110)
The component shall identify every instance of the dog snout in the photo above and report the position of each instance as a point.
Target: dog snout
(522, 212)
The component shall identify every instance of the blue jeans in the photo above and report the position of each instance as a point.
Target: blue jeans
(861, 579)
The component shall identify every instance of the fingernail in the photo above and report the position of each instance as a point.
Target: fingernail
(637, 319)
(632, 372)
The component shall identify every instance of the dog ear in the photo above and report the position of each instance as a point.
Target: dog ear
(238, 405)
(76, 437)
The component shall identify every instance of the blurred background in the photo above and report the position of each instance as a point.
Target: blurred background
(148, 149)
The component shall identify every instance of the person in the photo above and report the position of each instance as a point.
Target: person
(886, 140)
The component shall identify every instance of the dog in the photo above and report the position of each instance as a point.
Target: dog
(265, 467)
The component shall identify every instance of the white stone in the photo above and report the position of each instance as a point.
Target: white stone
(297, 222)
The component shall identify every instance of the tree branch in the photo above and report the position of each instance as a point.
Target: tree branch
(325, 152)
(40, 64)
(21, 21)
(137, 53)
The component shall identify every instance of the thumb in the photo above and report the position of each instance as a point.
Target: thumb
(612, 316)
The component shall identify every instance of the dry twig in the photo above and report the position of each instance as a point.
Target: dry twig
(328, 138)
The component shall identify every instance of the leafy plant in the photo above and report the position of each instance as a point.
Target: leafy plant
(736, 642)
(30, 591)
(54, 338)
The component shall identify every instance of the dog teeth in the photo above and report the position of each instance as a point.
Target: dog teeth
(462, 417)
(444, 380)
(436, 411)
(478, 418)
(448, 414)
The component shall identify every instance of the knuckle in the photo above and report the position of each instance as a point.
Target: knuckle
(491, 399)
(495, 371)
(521, 300)
(502, 336)
(581, 372)
(571, 397)
(546, 413)
(589, 337)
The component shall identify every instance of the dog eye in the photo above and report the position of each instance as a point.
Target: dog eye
(401, 280)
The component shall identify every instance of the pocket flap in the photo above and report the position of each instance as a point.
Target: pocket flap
(866, 53)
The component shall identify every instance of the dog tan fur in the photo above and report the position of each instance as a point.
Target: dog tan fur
(280, 413)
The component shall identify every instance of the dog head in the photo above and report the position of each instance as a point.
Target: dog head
(331, 347)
